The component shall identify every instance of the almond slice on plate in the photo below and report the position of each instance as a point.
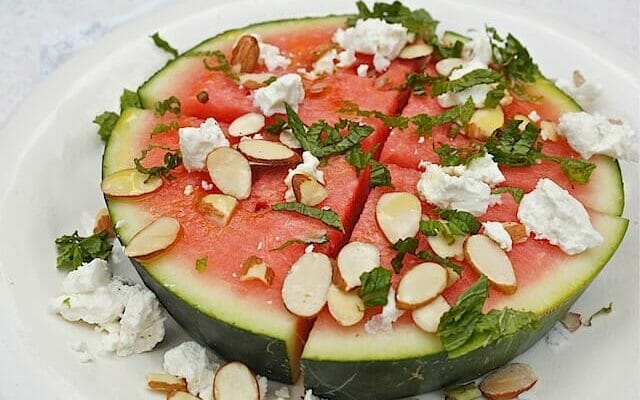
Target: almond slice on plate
(181, 396)
(508, 382)
(305, 287)
(572, 321)
(235, 381)
(446, 65)
(218, 207)
(420, 285)
(487, 258)
(308, 190)
(347, 308)
(128, 183)
(353, 260)
(443, 248)
(155, 237)
(484, 121)
(103, 223)
(254, 268)
(166, 383)
(247, 124)
(264, 152)
(428, 316)
(517, 231)
(254, 81)
(398, 215)
(414, 51)
(230, 172)
(246, 53)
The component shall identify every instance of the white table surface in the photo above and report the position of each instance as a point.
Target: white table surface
(38, 35)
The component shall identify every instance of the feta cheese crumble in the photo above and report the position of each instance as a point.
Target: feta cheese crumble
(197, 143)
(534, 116)
(590, 134)
(323, 65)
(270, 55)
(477, 93)
(362, 70)
(376, 37)
(383, 322)
(497, 233)
(189, 360)
(129, 314)
(286, 89)
(188, 190)
(482, 169)
(346, 58)
(308, 395)
(308, 166)
(478, 48)
(206, 185)
(586, 93)
(551, 213)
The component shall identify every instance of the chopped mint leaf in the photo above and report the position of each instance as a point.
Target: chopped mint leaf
(222, 64)
(494, 96)
(380, 175)
(515, 192)
(277, 127)
(67, 302)
(465, 328)
(107, 121)
(468, 391)
(451, 51)
(172, 105)
(172, 159)
(403, 247)
(358, 158)
(324, 238)
(428, 256)
(604, 310)
(164, 45)
(431, 227)
(473, 78)
(460, 222)
(460, 114)
(328, 217)
(576, 169)
(416, 82)
(375, 287)
(75, 250)
(391, 121)
(201, 264)
(163, 128)
(511, 147)
(452, 156)
(270, 80)
(129, 99)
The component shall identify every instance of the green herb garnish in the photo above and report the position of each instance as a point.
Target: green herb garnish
(375, 287)
(324, 238)
(515, 192)
(460, 114)
(458, 223)
(452, 156)
(473, 78)
(164, 45)
(416, 82)
(221, 65)
(604, 310)
(171, 105)
(276, 127)
(171, 160)
(75, 250)
(576, 169)
(428, 256)
(106, 121)
(67, 302)
(163, 128)
(328, 217)
(391, 121)
(380, 175)
(129, 99)
(403, 247)
(201, 264)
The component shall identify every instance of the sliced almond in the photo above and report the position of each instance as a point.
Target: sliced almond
(129, 182)
(420, 285)
(506, 100)
(452, 277)
(153, 238)
(572, 321)
(166, 383)
(247, 124)
(398, 215)
(254, 268)
(428, 316)
(181, 396)
(525, 121)
(288, 139)
(484, 121)
(254, 81)
(235, 381)
(246, 53)
(508, 382)
(308, 190)
(517, 231)
(264, 152)
(218, 207)
(305, 287)
(578, 79)
(230, 172)
(443, 248)
(347, 308)
(414, 51)
(446, 65)
(103, 223)
(353, 260)
(487, 258)
(548, 131)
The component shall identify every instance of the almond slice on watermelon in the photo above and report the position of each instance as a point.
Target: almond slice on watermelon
(304, 290)
(246, 124)
(347, 308)
(428, 316)
(420, 285)
(414, 51)
(443, 248)
(487, 258)
(484, 121)
(264, 152)
(218, 207)
(153, 238)
(254, 268)
(517, 231)
(129, 183)
(508, 382)
(353, 260)
(308, 190)
(235, 381)
(181, 396)
(166, 383)
(230, 172)
(452, 277)
(246, 53)
(398, 215)
(446, 65)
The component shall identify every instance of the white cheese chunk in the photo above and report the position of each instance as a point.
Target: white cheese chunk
(477, 93)
(270, 55)
(534, 116)
(586, 93)
(308, 395)
(87, 278)
(362, 70)
(551, 213)
(478, 48)
(383, 322)
(308, 166)
(286, 89)
(590, 134)
(346, 58)
(323, 65)
(453, 192)
(197, 143)
(482, 169)
(376, 37)
(497, 233)
(189, 360)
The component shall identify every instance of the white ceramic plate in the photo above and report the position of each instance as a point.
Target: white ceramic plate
(51, 170)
